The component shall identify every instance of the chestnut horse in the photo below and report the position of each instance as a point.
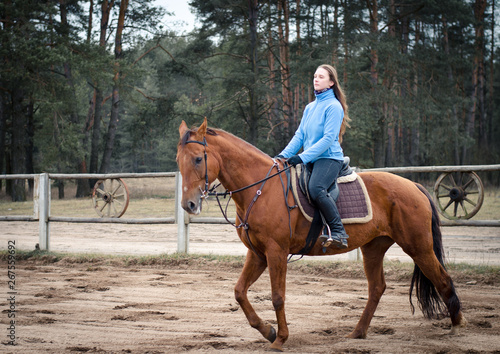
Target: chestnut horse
(403, 213)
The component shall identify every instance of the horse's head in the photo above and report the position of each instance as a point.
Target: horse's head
(197, 167)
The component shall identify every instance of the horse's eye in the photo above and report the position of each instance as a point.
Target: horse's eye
(198, 160)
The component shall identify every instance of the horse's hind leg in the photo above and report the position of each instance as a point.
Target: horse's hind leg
(252, 270)
(436, 274)
(373, 257)
(433, 283)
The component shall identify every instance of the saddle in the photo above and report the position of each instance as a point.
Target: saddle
(348, 192)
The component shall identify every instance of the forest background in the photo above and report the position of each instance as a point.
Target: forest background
(100, 86)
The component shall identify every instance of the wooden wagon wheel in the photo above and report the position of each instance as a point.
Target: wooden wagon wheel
(110, 197)
(459, 195)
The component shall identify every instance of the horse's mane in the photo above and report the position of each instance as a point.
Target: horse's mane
(222, 133)
(240, 142)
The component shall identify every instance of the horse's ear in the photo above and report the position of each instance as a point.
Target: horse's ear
(183, 128)
(202, 130)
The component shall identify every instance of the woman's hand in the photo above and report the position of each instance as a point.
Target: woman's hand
(294, 160)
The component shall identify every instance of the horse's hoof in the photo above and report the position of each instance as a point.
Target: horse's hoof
(276, 347)
(456, 329)
(271, 336)
(356, 335)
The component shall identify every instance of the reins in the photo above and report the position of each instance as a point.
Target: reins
(211, 193)
(244, 221)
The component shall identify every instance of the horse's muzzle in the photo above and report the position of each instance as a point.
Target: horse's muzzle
(191, 206)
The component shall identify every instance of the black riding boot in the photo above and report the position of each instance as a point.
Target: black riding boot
(337, 235)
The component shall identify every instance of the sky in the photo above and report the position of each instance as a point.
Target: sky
(183, 20)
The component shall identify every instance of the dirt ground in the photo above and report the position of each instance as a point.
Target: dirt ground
(114, 306)
(104, 308)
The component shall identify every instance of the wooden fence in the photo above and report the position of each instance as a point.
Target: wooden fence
(41, 202)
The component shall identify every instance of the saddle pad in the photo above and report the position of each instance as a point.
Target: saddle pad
(353, 203)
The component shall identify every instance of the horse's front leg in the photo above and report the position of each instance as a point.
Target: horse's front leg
(252, 270)
(277, 261)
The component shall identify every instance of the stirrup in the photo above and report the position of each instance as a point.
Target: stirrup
(327, 240)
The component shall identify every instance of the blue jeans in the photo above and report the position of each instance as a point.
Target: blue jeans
(323, 176)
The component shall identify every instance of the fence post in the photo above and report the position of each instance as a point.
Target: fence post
(181, 217)
(355, 255)
(36, 197)
(43, 211)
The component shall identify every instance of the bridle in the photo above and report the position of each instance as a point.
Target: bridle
(207, 192)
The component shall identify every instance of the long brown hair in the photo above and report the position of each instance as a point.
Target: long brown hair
(339, 93)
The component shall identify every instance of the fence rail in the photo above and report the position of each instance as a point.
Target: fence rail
(41, 202)
(463, 168)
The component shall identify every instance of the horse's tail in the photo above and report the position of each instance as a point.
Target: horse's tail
(429, 301)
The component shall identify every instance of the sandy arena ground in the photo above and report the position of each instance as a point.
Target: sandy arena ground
(112, 307)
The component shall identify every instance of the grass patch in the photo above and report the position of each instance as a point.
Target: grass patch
(174, 259)
(491, 205)
(395, 271)
(462, 272)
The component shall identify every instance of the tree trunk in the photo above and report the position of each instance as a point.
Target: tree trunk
(404, 92)
(91, 15)
(346, 48)
(96, 130)
(336, 32)
(489, 125)
(483, 141)
(56, 136)
(253, 15)
(82, 189)
(94, 117)
(388, 83)
(30, 144)
(477, 73)
(299, 88)
(451, 80)
(379, 133)
(3, 127)
(284, 49)
(18, 143)
(271, 97)
(4, 106)
(17, 161)
(415, 126)
(115, 99)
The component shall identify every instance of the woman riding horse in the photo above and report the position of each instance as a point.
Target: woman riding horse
(403, 213)
(320, 134)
